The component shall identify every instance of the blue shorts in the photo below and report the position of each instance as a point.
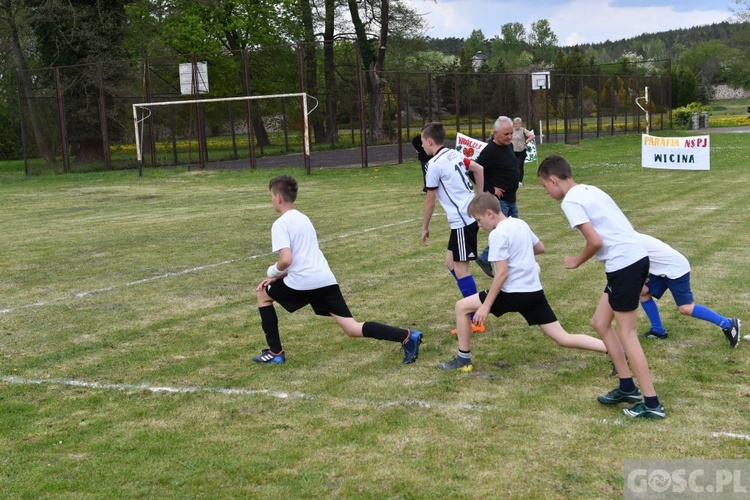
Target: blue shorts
(678, 287)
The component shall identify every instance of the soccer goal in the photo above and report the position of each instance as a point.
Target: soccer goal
(145, 112)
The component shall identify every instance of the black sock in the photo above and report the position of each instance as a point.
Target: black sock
(627, 384)
(380, 331)
(651, 401)
(270, 324)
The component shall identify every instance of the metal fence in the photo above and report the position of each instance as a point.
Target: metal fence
(79, 118)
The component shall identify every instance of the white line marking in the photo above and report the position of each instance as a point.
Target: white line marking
(172, 274)
(154, 389)
(731, 435)
(144, 387)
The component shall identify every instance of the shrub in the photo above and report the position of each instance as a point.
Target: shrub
(683, 115)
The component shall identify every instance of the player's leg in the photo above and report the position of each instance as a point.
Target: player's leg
(602, 323)
(556, 332)
(624, 288)
(654, 288)
(330, 302)
(628, 335)
(464, 310)
(269, 322)
(683, 297)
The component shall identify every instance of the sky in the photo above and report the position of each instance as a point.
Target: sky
(573, 22)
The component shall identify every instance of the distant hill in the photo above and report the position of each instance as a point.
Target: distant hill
(661, 45)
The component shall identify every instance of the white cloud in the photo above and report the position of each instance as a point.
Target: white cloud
(573, 22)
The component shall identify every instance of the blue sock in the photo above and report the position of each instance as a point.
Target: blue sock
(467, 285)
(706, 314)
(453, 273)
(652, 312)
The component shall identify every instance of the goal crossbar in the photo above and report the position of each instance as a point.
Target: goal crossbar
(147, 105)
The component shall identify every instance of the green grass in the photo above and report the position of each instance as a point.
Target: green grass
(115, 285)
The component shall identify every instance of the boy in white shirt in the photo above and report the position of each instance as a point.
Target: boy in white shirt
(612, 240)
(447, 181)
(301, 276)
(516, 286)
(670, 270)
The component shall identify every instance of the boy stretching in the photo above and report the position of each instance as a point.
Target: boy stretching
(516, 286)
(301, 276)
(447, 181)
(670, 270)
(611, 239)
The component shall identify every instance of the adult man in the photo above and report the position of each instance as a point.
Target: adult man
(500, 175)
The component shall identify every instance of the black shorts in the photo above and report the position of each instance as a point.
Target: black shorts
(463, 242)
(624, 286)
(324, 301)
(533, 306)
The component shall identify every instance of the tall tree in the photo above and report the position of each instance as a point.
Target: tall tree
(329, 70)
(76, 32)
(215, 26)
(309, 49)
(372, 47)
(741, 10)
(543, 42)
(13, 17)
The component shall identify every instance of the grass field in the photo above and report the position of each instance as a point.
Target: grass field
(128, 323)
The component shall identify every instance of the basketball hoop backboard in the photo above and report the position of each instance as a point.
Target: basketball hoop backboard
(540, 80)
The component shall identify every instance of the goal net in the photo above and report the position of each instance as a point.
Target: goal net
(224, 129)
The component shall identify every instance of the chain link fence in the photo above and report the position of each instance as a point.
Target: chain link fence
(80, 118)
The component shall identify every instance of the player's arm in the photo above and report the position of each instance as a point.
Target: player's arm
(429, 209)
(501, 274)
(539, 247)
(593, 244)
(278, 270)
(478, 171)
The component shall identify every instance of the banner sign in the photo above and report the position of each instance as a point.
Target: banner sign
(468, 146)
(531, 152)
(676, 153)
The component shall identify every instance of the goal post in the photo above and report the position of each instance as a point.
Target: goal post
(145, 112)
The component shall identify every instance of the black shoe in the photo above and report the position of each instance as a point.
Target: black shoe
(617, 396)
(640, 410)
(486, 267)
(732, 332)
(269, 358)
(654, 335)
(411, 347)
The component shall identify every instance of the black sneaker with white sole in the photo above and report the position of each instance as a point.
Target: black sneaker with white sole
(732, 332)
(654, 335)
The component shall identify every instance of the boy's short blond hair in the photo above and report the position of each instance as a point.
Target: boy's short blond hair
(483, 202)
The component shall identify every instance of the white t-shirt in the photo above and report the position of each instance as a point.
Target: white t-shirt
(513, 240)
(664, 260)
(447, 173)
(584, 203)
(309, 269)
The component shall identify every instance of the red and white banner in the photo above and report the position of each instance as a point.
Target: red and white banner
(468, 146)
(676, 153)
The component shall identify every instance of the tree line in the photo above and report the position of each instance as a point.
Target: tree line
(384, 35)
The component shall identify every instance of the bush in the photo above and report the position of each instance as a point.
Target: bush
(683, 115)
